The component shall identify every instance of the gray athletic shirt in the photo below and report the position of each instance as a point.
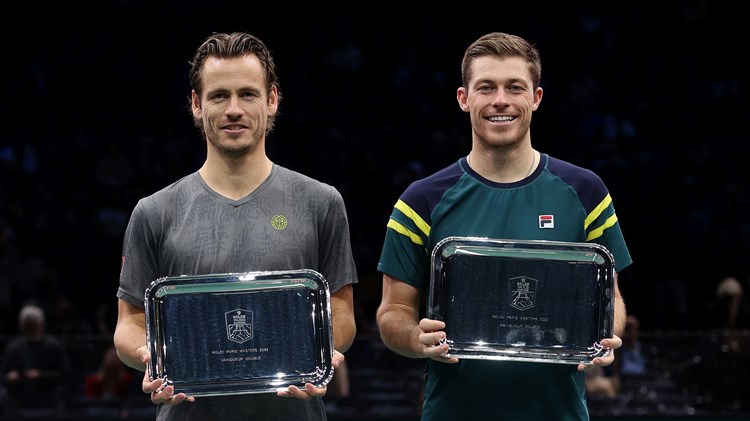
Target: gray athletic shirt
(289, 222)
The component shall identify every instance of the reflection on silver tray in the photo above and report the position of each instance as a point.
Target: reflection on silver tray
(538, 300)
(236, 333)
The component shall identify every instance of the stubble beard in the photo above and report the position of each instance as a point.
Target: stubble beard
(233, 150)
(503, 140)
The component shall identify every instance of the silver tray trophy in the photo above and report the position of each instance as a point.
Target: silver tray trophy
(537, 300)
(237, 333)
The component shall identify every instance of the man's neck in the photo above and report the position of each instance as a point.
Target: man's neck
(236, 178)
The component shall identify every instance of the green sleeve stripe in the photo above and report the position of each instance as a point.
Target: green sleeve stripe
(596, 233)
(597, 211)
(396, 226)
(409, 213)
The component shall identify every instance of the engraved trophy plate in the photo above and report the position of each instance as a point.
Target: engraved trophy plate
(236, 333)
(538, 300)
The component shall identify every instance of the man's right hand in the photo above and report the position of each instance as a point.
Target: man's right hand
(160, 392)
(433, 342)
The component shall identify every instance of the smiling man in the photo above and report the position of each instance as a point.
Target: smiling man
(503, 189)
(239, 212)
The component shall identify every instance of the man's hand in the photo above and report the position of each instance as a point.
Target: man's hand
(159, 391)
(433, 342)
(612, 343)
(310, 391)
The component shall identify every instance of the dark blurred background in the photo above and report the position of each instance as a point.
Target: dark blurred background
(651, 96)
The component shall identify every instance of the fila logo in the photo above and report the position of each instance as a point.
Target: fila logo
(546, 221)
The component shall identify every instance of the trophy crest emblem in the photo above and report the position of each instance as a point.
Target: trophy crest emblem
(522, 298)
(239, 325)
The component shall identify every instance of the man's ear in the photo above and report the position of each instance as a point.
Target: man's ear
(538, 93)
(273, 100)
(196, 105)
(463, 99)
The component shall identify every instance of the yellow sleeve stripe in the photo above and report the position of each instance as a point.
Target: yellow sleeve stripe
(594, 234)
(396, 226)
(597, 211)
(418, 221)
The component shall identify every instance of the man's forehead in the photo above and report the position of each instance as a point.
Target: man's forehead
(236, 71)
(499, 68)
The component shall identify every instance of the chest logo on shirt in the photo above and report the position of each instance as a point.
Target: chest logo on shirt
(546, 221)
(523, 294)
(239, 325)
(279, 222)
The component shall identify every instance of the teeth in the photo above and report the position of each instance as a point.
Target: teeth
(498, 119)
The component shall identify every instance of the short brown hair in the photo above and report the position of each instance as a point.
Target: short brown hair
(500, 44)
